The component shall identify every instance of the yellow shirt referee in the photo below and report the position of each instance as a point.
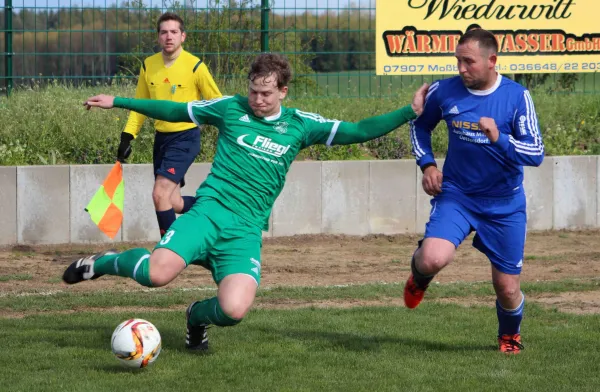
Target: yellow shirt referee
(174, 75)
(187, 79)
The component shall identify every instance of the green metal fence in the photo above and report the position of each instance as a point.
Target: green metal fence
(331, 44)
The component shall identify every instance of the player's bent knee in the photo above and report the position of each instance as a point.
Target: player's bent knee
(227, 316)
(435, 254)
(159, 195)
(438, 247)
(236, 295)
(235, 309)
(163, 189)
(159, 280)
(434, 261)
(229, 321)
(507, 286)
(511, 292)
(165, 265)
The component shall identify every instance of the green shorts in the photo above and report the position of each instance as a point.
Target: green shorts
(214, 237)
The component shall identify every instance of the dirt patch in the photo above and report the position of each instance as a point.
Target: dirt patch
(580, 302)
(319, 260)
(583, 302)
(587, 302)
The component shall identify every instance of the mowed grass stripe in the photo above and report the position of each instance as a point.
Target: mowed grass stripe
(68, 300)
(439, 347)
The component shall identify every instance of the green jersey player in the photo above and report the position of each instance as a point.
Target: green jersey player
(258, 141)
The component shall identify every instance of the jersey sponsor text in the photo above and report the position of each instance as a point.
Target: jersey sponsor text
(265, 145)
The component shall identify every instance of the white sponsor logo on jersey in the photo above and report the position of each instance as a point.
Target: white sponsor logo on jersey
(245, 118)
(265, 145)
(454, 110)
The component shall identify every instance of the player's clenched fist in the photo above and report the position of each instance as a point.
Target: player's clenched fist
(432, 180)
(489, 128)
(100, 101)
(419, 98)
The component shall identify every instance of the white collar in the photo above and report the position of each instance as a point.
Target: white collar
(274, 117)
(489, 90)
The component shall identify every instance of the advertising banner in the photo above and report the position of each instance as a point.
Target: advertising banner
(419, 37)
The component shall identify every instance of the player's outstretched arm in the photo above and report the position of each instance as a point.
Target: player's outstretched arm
(100, 101)
(160, 110)
(377, 126)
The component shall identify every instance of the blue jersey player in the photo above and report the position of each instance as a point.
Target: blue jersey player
(493, 132)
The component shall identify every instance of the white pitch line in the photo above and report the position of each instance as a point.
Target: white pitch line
(192, 289)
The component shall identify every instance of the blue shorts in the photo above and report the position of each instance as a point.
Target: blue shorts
(174, 153)
(500, 225)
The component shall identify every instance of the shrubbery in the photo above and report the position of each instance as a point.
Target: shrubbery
(50, 126)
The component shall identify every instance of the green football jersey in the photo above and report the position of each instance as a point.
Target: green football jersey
(253, 153)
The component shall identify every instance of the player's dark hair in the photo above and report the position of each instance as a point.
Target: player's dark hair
(170, 16)
(473, 27)
(483, 37)
(266, 64)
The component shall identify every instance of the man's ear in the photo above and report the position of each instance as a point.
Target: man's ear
(283, 92)
(493, 59)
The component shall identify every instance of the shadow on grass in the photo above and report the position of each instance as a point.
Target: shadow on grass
(361, 342)
(98, 336)
(118, 369)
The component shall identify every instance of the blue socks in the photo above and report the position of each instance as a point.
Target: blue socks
(165, 220)
(188, 203)
(509, 321)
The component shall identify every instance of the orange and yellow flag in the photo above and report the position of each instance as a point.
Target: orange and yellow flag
(106, 207)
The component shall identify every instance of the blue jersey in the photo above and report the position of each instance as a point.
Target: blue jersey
(474, 165)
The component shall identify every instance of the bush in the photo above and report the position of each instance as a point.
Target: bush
(50, 126)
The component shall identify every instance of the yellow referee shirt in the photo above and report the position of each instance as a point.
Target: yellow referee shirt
(187, 79)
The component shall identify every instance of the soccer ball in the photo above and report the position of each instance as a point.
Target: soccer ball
(136, 343)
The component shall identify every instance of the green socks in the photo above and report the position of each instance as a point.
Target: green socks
(209, 312)
(133, 263)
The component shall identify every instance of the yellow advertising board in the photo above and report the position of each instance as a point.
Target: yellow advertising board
(419, 37)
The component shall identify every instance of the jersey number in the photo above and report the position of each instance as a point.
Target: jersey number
(167, 237)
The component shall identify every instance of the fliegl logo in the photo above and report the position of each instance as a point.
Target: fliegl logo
(265, 145)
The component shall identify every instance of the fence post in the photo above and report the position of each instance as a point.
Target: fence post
(8, 49)
(264, 25)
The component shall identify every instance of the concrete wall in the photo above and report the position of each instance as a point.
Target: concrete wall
(8, 205)
(45, 204)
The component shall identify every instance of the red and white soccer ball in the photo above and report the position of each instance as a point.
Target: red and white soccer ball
(136, 343)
